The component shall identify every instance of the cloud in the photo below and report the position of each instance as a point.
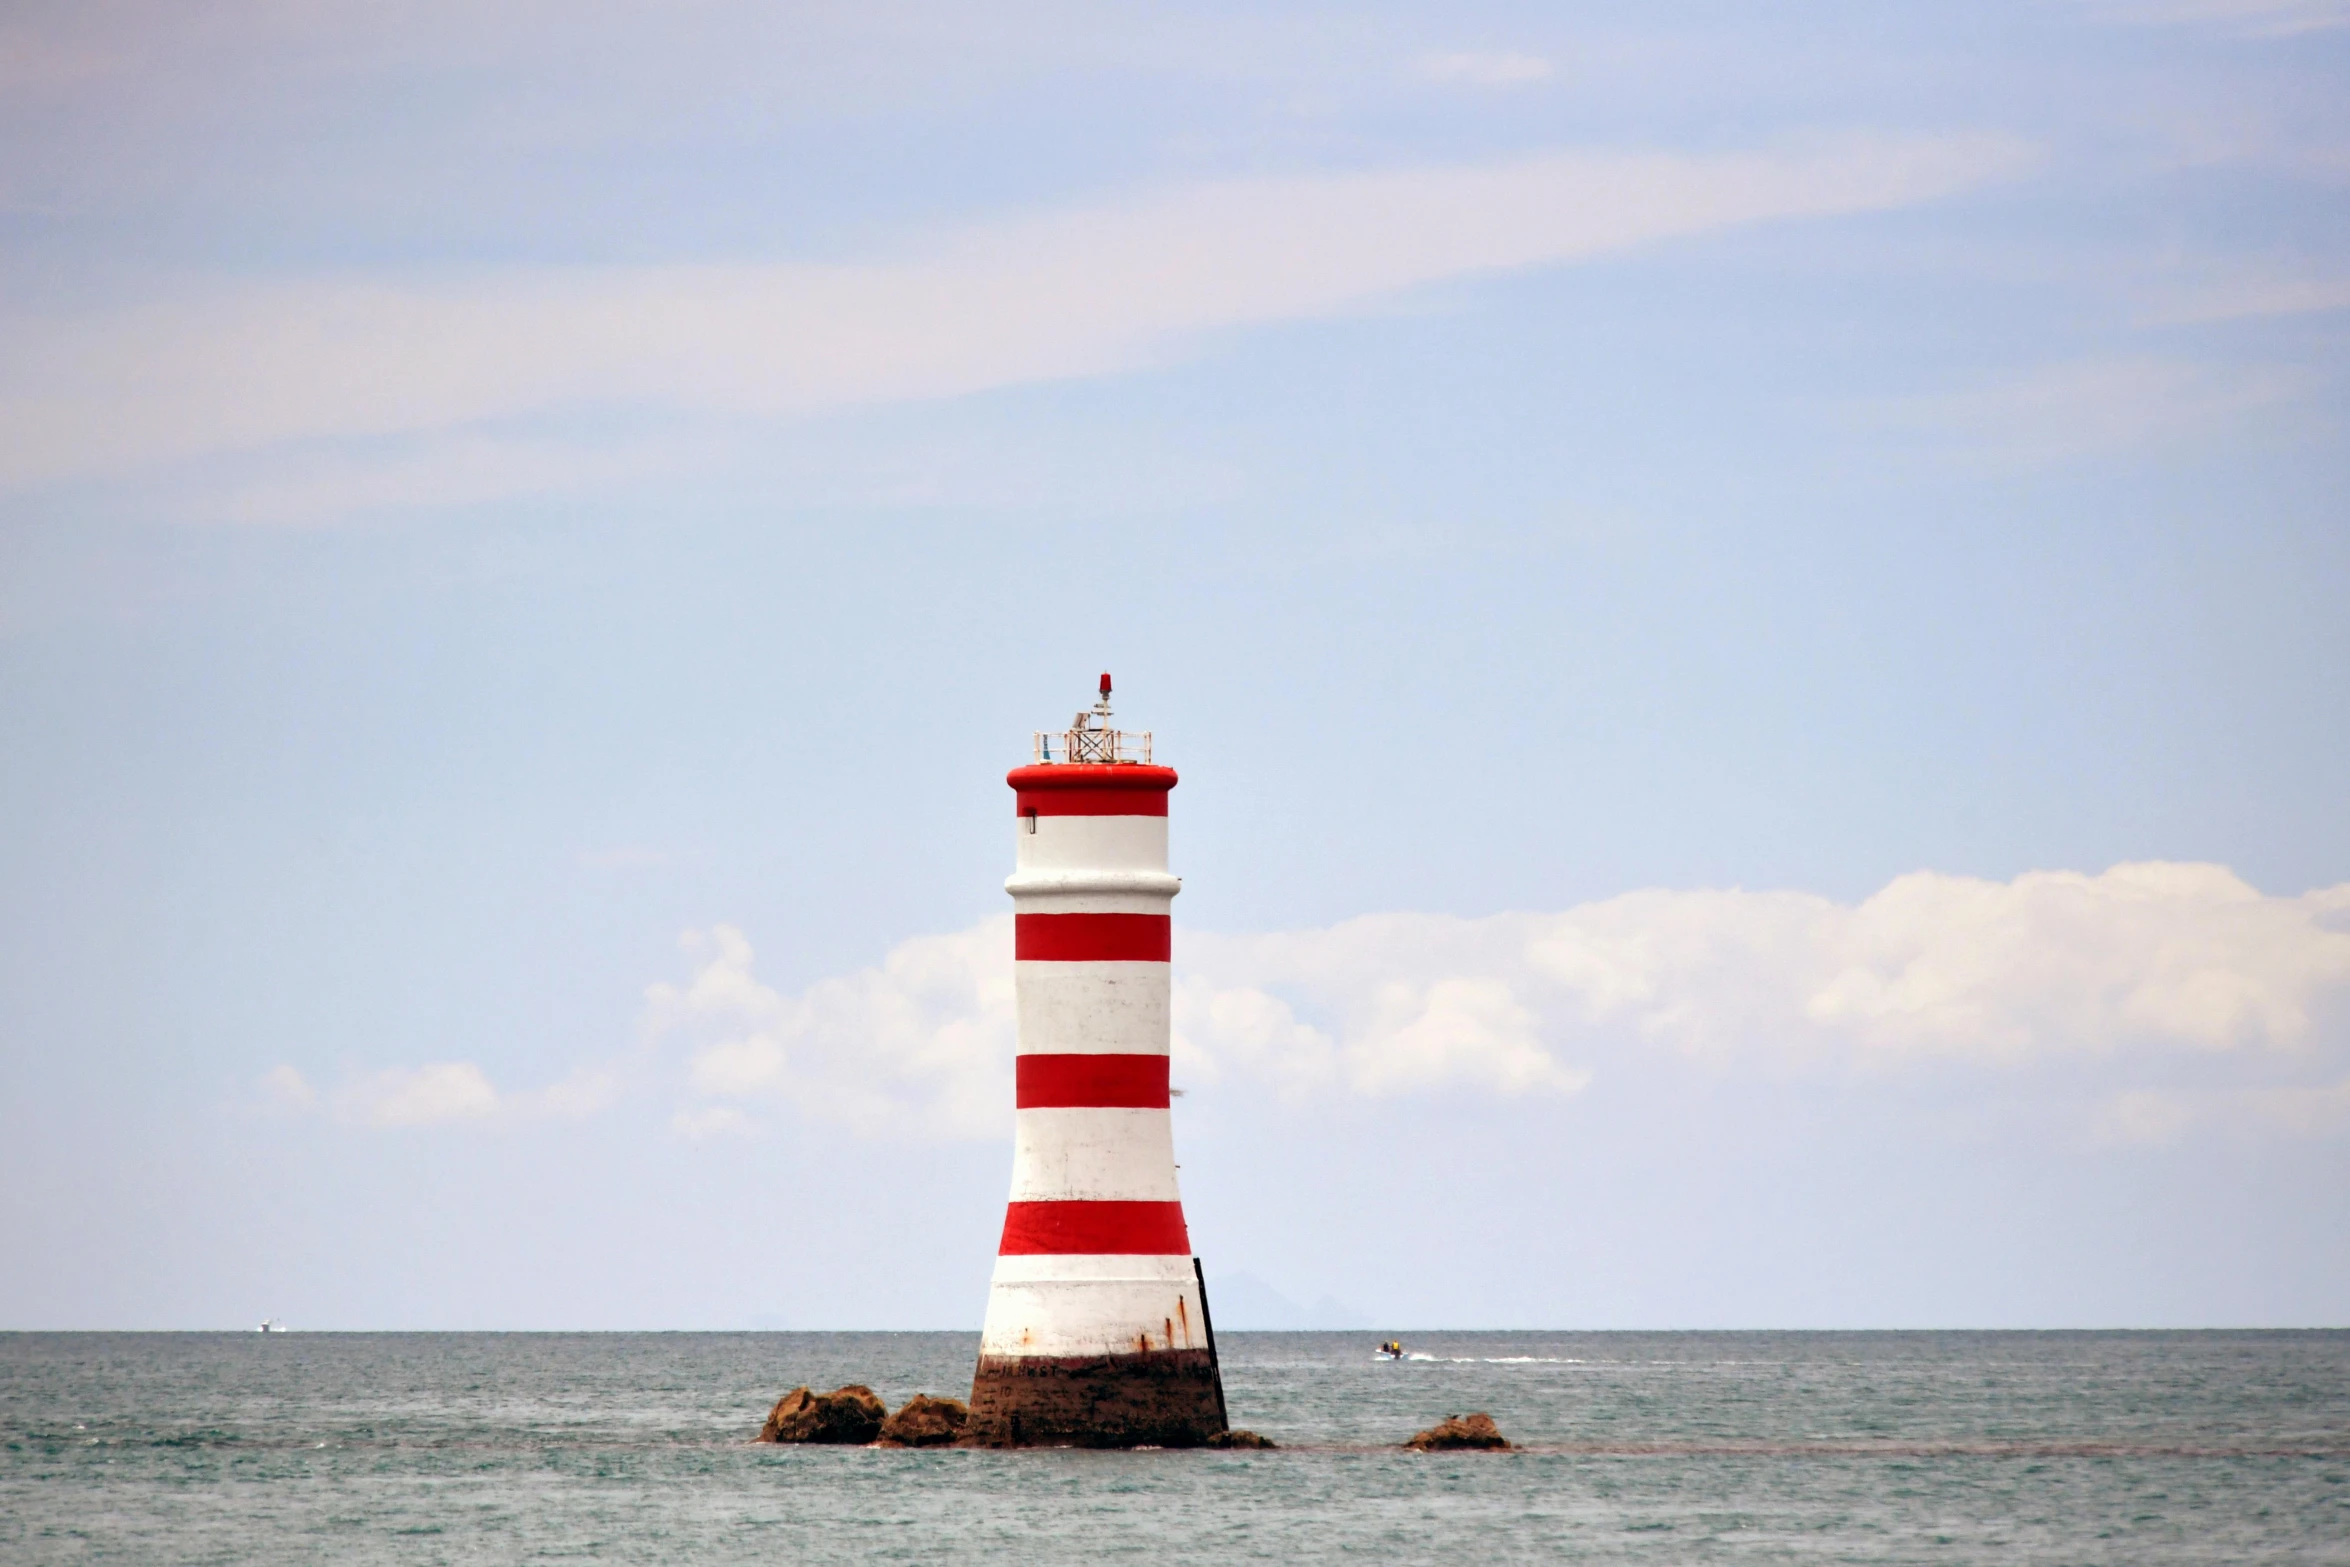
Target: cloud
(1471, 1029)
(451, 1091)
(1487, 70)
(287, 1091)
(2143, 962)
(712, 1121)
(2153, 1117)
(1933, 966)
(586, 1092)
(2150, 962)
(208, 366)
(422, 1096)
(2143, 1116)
(921, 1044)
(442, 470)
(2057, 413)
(2252, 18)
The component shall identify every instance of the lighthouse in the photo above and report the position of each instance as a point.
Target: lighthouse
(1097, 1325)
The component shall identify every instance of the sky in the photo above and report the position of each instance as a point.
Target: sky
(1750, 606)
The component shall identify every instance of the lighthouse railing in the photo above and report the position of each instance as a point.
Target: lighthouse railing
(1093, 745)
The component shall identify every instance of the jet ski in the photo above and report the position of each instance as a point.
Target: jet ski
(1391, 1350)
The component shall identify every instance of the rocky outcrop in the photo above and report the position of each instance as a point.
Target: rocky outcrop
(1240, 1439)
(1458, 1432)
(849, 1416)
(923, 1421)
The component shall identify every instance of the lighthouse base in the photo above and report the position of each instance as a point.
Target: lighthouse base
(1163, 1398)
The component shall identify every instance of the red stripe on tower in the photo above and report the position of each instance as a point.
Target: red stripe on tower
(1094, 1229)
(1092, 1082)
(1093, 938)
(1120, 789)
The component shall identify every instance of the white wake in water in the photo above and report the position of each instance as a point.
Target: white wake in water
(1491, 1360)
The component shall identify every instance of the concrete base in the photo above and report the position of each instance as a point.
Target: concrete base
(1166, 1398)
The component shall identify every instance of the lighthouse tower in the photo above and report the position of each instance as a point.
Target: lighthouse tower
(1097, 1327)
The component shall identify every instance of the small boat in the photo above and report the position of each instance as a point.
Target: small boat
(272, 1325)
(1391, 1350)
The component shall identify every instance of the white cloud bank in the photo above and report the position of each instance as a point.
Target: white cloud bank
(2145, 959)
(2050, 963)
(423, 1096)
(2139, 967)
(212, 366)
(287, 1091)
(441, 1092)
(921, 1043)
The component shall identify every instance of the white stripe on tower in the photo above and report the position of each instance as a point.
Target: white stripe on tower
(1092, 1154)
(1093, 1008)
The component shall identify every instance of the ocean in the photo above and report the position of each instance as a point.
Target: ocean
(2082, 1448)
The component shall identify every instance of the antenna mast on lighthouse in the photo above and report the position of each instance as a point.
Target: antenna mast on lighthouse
(1097, 1327)
(1089, 738)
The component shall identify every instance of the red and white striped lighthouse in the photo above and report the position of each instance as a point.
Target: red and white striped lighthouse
(1097, 1332)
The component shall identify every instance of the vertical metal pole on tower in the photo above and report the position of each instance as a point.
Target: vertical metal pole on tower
(1207, 1320)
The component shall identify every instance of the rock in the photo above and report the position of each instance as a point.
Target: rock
(1240, 1439)
(1461, 1431)
(923, 1421)
(846, 1415)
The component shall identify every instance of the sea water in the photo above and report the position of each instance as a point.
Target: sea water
(1638, 1448)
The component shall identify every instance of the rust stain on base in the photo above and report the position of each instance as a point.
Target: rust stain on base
(1156, 1398)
